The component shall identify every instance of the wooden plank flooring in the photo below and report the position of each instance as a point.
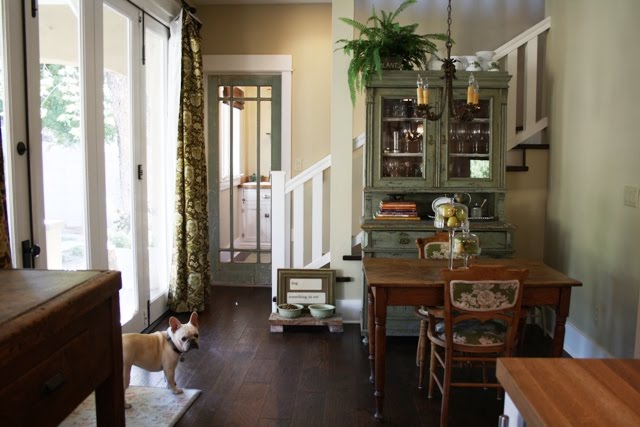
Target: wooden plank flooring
(305, 376)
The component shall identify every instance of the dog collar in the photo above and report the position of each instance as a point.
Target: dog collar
(173, 345)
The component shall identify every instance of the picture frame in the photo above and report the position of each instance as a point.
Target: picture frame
(306, 286)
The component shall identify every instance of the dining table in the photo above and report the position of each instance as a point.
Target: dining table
(415, 282)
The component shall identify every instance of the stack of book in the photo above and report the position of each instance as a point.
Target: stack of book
(397, 210)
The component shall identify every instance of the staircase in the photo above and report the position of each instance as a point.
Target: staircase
(298, 204)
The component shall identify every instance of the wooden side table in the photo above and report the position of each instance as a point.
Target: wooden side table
(570, 392)
(60, 339)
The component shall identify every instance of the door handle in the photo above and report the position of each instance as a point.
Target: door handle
(29, 253)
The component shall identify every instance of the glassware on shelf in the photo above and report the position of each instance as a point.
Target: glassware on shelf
(476, 137)
(462, 138)
(396, 142)
(466, 245)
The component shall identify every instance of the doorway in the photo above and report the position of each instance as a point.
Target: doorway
(244, 117)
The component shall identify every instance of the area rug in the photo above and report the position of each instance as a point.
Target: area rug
(150, 406)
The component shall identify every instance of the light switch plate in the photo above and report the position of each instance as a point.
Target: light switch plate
(631, 195)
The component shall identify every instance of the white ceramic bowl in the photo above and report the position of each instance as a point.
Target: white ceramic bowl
(321, 311)
(485, 55)
(290, 311)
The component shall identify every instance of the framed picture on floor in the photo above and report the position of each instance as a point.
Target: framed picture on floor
(306, 286)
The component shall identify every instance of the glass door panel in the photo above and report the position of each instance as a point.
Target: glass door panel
(159, 182)
(63, 150)
(469, 145)
(118, 146)
(402, 140)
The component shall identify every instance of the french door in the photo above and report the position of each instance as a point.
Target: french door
(97, 155)
(244, 117)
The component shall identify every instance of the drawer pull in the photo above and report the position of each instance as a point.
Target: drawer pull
(54, 383)
(404, 240)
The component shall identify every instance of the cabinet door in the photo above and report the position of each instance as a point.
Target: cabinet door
(471, 154)
(403, 149)
(265, 218)
(249, 225)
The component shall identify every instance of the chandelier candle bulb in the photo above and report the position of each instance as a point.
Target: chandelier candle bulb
(471, 89)
(425, 92)
(476, 92)
(419, 92)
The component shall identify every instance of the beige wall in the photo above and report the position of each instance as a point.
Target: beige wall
(590, 235)
(303, 31)
(526, 204)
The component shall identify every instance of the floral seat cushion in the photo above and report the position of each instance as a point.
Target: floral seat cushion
(474, 332)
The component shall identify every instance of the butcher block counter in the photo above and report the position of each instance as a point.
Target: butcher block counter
(60, 339)
(571, 392)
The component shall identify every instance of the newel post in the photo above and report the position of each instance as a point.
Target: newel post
(278, 228)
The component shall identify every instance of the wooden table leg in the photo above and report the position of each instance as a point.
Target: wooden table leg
(372, 335)
(562, 312)
(380, 348)
(110, 394)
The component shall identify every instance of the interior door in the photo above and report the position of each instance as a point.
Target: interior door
(99, 155)
(244, 139)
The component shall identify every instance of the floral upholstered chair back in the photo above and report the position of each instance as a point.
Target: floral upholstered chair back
(436, 250)
(482, 307)
(433, 247)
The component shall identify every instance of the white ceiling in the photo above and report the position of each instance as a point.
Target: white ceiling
(209, 2)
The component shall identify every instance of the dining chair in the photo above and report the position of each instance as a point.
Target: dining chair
(482, 306)
(434, 247)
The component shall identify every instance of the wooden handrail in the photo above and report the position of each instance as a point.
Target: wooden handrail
(522, 38)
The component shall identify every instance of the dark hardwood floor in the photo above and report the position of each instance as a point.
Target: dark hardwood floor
(306, 376)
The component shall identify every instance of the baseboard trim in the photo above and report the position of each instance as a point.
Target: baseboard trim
(349, 309)
(580, 346)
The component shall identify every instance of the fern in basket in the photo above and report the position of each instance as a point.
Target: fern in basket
(382, 43)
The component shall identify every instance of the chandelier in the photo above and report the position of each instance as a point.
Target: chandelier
(462, 111)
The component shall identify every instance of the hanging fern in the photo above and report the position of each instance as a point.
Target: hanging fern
(381, 39)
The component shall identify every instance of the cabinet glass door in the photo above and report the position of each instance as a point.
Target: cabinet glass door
(401, 143)
(468, 158)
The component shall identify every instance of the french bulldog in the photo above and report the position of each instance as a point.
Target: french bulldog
(160, 351)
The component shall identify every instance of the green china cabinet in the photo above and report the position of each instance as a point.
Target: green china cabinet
(412, 160)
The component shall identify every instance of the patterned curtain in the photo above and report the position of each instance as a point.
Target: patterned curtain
(189, 284)
(5, 250)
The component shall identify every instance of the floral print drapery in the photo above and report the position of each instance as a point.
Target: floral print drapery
(5, 250)
(190, 271)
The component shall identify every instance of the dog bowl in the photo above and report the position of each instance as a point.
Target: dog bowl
(320, 311)
(290, 311)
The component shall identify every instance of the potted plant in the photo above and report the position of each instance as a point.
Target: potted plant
(382, 43)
